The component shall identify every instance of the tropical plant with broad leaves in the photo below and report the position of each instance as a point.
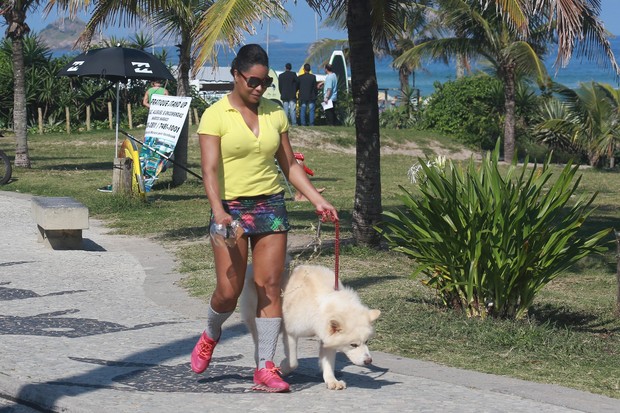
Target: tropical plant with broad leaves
(488, 241)
(586, 118)
(404, 116)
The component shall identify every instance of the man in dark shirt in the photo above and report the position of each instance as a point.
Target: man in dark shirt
(287, 83)
(307, 95)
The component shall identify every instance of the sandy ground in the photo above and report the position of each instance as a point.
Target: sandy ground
(308, 137)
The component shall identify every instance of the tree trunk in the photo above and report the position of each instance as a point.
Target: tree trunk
(367, 206)
(179, 175)
(20, 122)
(462, 66)
(509, 115)
(403, 77)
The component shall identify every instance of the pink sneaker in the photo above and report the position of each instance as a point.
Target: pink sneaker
(201, 355)
(269, 380)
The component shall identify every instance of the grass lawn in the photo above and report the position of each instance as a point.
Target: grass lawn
(571, 338)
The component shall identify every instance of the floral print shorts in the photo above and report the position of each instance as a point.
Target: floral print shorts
(263, 214)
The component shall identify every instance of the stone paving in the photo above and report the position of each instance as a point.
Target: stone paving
(107, 329)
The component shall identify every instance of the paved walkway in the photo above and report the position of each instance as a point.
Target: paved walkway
(108, 330)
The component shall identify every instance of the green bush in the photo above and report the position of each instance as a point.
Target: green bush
(140, 114)
(467, 108)
(404, 116)
(489, 243)
(397, 118)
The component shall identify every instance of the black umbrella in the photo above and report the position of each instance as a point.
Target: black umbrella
(117, 64)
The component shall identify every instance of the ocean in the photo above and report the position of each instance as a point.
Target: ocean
(281, 53)
(387, 78)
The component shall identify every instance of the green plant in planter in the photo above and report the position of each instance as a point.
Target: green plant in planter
(488, 243)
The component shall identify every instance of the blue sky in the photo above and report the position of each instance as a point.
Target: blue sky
(303, 30)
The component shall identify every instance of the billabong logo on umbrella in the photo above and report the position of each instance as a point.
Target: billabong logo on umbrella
(141, 67)
(117, 64)
(75, 66)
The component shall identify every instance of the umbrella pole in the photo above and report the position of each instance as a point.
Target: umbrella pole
(117, 114)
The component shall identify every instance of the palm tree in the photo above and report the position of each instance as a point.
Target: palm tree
(14, 13)
(513, 39)
(142, 41)
(367, 207)
(182, 25)
(576, 24)
(485, 34)
(396, 27)
(586, 119)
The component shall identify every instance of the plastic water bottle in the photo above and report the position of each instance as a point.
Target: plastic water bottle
(226, 234)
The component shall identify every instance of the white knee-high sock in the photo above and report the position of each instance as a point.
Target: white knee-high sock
(268, 330)
(214, 322)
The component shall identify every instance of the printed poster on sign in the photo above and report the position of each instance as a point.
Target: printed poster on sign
(166, 119)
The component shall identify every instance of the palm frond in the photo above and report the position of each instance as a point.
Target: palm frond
(227, 21)
(527, 61)
(439, 50)
(319, 52)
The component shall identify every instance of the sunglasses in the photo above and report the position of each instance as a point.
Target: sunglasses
(254, 82)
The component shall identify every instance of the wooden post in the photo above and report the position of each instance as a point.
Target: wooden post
(88, 117)
(196, 118)
(40, 112)
(190, 118)
(618, 273)
(121, 175)
(129, 116)
(68, 116)
(110, 114)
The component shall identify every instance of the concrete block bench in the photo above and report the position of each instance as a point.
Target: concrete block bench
(60, 221)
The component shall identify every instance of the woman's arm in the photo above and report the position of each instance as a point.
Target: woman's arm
(210, 161)
(145, 99)
(298, 177)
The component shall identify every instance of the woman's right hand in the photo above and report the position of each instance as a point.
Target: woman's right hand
(222, 218)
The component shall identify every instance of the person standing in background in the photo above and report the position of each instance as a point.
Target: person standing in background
(330, 92)
(155, 89)
(307, 95)
(287, 83)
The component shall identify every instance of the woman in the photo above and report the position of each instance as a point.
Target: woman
(155, 89)
(239, 137)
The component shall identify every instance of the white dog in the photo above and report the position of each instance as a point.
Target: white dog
(311, 307)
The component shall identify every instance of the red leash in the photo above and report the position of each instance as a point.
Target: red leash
(337, 254)
(324, 217)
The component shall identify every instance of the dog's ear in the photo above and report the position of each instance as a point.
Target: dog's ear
(334, 327)
(374, 314)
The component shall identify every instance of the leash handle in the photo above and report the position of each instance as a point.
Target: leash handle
(328, 216)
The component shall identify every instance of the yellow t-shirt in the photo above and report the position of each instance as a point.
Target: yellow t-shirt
(247, 165)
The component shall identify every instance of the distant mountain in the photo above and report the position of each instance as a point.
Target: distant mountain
(62, 33)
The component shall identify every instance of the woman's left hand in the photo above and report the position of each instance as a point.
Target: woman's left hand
(326, 211)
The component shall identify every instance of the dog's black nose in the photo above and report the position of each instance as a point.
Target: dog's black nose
(368, 361)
